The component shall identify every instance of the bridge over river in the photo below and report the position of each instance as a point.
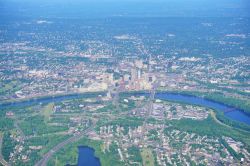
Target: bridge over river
(230, 112)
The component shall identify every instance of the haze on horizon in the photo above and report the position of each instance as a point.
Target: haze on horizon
(135, 8)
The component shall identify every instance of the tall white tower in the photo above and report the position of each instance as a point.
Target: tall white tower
(149, 63)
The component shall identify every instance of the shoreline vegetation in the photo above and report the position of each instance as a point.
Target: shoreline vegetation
(85, 94)
(215, 97)
(241, 104)
(210, 126)
(216, 123)
(69, 154)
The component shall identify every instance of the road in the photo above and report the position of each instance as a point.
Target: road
(47, 156)
(150, 108)
(2, 161)
(16, 124)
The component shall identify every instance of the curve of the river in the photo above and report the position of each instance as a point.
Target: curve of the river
(230, 112)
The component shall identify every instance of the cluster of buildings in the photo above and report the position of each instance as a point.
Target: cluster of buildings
(20, 152)
(92, 57)
(169, 146)
(61, 72)
(172, 111)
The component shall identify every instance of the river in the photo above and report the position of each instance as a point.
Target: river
(230, 112)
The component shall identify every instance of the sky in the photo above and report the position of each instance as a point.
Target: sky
(130, 8)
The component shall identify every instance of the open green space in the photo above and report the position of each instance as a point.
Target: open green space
(109, 107)
(8, 145)
(47, 112)
(10, 86)
(69, 154)
(210, 127)
(147, 157)
(36, 125)
(135, 154)
(46, 141)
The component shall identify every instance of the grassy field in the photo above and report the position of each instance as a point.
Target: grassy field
(69, 154)
(8, 87)
(147, 157)
(47, 112)
(212, 127)
(1, 137)
(36, 125)
(213, 115)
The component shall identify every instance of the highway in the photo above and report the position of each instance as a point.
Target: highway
(150, 108)
(2, 161)
(46, 157)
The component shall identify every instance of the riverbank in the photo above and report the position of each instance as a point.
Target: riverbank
(216, 97)
(206, 127)
(85, 94)
(243, 105)
(235, 118)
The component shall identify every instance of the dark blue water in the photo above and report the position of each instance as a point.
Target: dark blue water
(236, 114)
(46, 100)
(87, 157)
